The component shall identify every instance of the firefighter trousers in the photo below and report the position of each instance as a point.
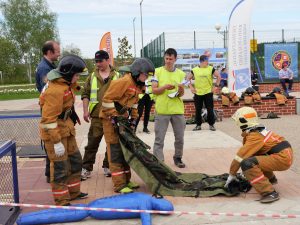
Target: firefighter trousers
(65, 171)
(260, 173)
(94, 138)
(120, 170)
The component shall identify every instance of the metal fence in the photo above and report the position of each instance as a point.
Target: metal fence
(213, 39)
(9, 188)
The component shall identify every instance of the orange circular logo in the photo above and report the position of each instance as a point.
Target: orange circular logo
(279, 58)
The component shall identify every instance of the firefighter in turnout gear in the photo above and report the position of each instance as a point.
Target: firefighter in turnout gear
(120, 98)
(94, 89)
(263, 152)
(58, 132)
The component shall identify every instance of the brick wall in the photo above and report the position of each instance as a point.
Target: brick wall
(266, 106)
(267, 88)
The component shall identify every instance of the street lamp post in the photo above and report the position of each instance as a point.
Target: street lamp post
(142, 28)
(224, 33)
(133, 21)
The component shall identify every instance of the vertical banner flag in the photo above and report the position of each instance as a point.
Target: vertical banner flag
(239, 77)
(106, 45)
(276, 55)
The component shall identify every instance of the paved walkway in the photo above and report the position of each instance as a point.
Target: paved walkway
(205, 151)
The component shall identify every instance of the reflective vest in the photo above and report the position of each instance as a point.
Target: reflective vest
(164, 105)
(148, 86)
(203, 80)
(94, 90)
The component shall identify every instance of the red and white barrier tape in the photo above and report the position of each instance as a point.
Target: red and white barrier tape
(259, 215)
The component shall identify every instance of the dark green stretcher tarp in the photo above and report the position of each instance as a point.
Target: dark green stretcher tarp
(161, 180)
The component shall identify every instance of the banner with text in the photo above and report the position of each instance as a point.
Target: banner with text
(239, 77)
(106, 45)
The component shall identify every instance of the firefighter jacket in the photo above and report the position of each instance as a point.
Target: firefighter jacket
(121, 96)
(226, 98)
(94, 89)
(258, 142)
(280, 98)
(56, 101)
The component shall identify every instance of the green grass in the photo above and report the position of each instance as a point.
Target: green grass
(15, 96)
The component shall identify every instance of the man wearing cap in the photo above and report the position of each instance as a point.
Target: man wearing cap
(168, 88)
(120, 100)
(94, 89)
(203, 91)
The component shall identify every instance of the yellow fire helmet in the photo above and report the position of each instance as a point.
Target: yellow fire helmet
(245, 117)
(225, 90)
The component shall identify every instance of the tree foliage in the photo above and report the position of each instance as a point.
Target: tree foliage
(124, 57)
(71, 49)
(27, 24)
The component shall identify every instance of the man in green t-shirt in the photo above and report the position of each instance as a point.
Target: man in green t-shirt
(167, 87)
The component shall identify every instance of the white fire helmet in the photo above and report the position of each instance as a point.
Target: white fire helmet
(245, 117)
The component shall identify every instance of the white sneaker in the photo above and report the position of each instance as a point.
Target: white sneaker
(107, 172)
(85, 174)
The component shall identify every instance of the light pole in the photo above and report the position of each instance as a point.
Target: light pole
(142, 28)
(224, 33)
(133, 21)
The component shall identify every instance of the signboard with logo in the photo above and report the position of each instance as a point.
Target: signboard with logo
(189, 58)
(276, 55)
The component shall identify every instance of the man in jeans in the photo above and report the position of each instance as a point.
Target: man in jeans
(203, 90)
(168, 87)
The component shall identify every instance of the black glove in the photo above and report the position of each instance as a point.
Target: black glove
(132, 123)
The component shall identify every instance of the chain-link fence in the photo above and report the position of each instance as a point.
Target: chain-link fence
(23, 128)
(213, 39)
(9, 190)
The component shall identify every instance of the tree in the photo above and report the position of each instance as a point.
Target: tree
(71, 49)
(124, 57)
(9, 56)
(28, 24)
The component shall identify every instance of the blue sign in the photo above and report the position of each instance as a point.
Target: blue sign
(276, 55)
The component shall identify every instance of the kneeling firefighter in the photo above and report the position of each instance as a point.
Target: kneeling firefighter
(121, 99)
(58, 132)
(263, 152)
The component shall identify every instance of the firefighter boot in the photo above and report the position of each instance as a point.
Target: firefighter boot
(270, 197)
(132, 185)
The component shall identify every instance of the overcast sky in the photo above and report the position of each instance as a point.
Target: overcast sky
(83, 23)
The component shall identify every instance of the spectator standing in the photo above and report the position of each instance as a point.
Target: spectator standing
(168, 88)
(94, 89)
(51, 53)
(203, 91)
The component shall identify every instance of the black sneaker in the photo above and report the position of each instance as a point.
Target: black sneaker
(81, 196)
(198, 127)
(178, 162)
(273, 180)
(48, 180)
(270, 197)
(145, 130)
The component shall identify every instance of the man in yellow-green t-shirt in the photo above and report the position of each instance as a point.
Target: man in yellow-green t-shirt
(167, 87)
(203, 90)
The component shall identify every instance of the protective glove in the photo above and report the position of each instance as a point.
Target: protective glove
(59, 149)
(229, 180)
(132, 123)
